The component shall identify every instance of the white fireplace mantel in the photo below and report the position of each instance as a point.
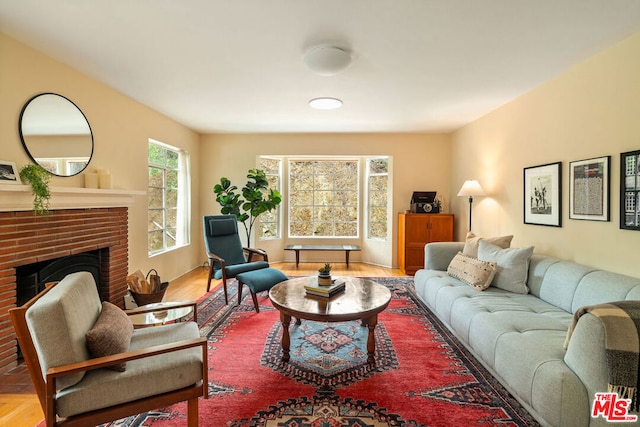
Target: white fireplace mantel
(18, 197)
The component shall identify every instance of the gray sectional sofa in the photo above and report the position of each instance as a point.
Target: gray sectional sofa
(520, 337)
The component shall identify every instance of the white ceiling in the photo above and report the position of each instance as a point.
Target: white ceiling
(236, 65)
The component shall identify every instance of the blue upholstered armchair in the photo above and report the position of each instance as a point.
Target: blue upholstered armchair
(227, 257)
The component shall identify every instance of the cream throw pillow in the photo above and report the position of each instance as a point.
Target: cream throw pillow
(472, 243)
(472, 271)
(513, 266)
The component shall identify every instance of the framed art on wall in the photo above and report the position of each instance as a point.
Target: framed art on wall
(543, 195)
(9, 173)
(630, 190)
(589, 189)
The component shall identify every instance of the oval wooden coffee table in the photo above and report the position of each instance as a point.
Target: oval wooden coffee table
(362, 300)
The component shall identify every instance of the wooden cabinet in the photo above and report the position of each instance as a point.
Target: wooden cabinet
(415, 231)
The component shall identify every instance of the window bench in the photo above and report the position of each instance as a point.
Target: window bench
(346, 248)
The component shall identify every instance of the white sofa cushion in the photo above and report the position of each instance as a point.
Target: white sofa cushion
(472, 243)
(512, 266)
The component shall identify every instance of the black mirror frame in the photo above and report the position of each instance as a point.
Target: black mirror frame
(24, 143)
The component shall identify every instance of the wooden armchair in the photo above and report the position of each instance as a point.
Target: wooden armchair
(164, 364)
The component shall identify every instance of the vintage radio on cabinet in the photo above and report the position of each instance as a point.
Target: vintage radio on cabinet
(424, 202)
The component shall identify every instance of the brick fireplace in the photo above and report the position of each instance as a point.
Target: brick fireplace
(26, 239)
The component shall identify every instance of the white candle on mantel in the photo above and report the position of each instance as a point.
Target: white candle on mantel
(104, 179)
(91, 180)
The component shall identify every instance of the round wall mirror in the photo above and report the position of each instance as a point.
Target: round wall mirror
(56, 134)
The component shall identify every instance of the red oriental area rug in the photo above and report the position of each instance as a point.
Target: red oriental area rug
(422, 377)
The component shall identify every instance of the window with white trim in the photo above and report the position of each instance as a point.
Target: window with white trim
(324, 197)
(377, 197)
(168, 198)
(270, 221)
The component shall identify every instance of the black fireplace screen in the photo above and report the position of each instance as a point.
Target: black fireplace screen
(31, 278)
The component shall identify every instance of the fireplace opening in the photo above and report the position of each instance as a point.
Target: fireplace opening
(28, 238)
(31, 278)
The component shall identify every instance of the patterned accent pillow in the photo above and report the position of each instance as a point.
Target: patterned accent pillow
(472, 243)
(472, 271)
(111, 334)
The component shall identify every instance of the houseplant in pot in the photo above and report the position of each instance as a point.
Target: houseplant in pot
(255, 198)
(324, 275)
(38, 178)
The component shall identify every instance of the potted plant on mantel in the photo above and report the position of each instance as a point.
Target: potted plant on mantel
(324, 275)
(38, 178)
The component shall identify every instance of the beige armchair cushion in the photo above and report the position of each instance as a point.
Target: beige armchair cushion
(58, 326)
(102, 388)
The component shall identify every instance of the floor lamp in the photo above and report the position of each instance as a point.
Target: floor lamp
(471, 188)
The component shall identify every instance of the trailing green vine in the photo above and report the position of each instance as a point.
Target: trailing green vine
(38, 178)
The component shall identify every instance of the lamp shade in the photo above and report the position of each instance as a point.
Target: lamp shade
(471, 188)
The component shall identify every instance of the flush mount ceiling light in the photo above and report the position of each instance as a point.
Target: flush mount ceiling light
(327, 60)
(325, 103)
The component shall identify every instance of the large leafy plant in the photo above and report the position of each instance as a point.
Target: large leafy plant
(254, 199)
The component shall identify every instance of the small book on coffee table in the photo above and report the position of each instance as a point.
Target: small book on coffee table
(325, 290)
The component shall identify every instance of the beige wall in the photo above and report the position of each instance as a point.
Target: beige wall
(589, 111)
(420, 162)
(121, 128)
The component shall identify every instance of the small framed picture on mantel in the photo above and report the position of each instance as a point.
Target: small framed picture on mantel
(9, 173)
(543, 195)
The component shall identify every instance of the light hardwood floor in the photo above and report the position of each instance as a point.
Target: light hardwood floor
(23, 410)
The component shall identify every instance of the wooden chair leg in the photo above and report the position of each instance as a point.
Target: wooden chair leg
(224, 282)
(192, 412)
(240, 284)
(210, 276)
(255, 301)
(224, 287)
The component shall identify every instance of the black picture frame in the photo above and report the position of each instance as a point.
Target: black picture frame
(589, 189)
(542, 195)
(630, 190)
